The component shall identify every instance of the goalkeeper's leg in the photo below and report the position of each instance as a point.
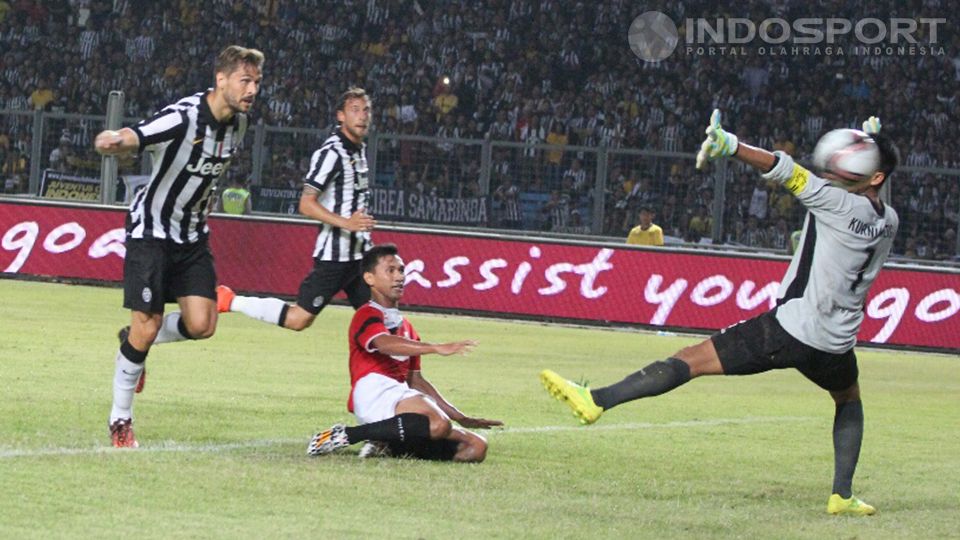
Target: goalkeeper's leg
(661, 376)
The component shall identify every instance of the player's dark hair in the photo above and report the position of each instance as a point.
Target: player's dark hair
(889, 154)
(352, 93)
(231, 58)
(373, 256)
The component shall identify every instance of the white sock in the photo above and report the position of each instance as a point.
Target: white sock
(125, 378)
(169, 331)
(267, 310)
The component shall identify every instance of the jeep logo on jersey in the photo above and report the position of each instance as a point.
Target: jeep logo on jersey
(360, 166)
(206, 168)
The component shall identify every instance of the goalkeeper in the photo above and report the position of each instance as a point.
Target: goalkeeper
(846, 238)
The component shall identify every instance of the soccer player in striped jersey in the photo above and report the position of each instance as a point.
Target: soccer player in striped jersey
(167, 256)
(846, 238)
(336, 192)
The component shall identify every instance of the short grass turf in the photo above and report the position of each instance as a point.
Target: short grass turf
(223, 426)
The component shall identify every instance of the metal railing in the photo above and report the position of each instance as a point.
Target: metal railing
(565, 190)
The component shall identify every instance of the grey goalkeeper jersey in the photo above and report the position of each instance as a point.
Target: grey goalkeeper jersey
(845, 241)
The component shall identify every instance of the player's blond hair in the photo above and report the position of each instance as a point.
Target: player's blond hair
(354, 92)
(231, 58)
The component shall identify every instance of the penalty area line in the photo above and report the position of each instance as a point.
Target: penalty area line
(210, 448)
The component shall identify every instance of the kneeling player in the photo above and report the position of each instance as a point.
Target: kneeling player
(396, 406)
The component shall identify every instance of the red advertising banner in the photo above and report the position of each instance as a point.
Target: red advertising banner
(524, 277)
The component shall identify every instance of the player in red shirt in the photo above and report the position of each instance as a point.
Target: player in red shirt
(395, 404)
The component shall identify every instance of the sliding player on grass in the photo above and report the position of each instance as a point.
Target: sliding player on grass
(396, 405)
(847, 236)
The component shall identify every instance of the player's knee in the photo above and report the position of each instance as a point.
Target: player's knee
(848, 395)
(298, 319)
(478, 447)
(473, 450)
(439, 427)
(201, 329)
(298, 325)
(143, 335)
(700, 359)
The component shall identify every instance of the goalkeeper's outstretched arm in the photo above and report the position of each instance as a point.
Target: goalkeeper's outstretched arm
(758, 158)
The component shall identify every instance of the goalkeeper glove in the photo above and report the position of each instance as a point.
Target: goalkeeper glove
(718, 143)
(871, 126)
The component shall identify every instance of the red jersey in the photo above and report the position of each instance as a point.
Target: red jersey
(367, 324)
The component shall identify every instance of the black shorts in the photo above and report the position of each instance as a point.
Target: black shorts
(159, 271)
(327, 279)
(761, 344)
(431, 450)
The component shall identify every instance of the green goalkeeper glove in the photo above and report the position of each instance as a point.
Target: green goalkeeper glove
(871, 126)
(718, 143)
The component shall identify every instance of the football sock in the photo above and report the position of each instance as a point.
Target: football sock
(847, 436)
(403, 427)
(653, 380)
(268, 310)
(129, 365)
(172, 329)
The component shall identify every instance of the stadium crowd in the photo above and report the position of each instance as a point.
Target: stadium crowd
(531, 72)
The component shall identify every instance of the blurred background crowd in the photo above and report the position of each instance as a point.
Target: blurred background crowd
(525, 71)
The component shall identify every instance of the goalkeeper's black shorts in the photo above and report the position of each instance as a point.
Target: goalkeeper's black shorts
(761, 344)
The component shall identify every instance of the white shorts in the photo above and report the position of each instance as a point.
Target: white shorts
(375, 397)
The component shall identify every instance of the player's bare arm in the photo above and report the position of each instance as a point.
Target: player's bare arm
(401, 346)
(418, 382)
(758, 158)
(113, 143)
(359, 221)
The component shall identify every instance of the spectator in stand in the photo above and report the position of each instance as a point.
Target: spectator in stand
(42, 95)
(753, 235)
(575, 225)
(778, 236)
(558, 135)
(760, 200)
(445, 99)
(701, 224)
(577, 177)
(507, 197)
(556, 211)
(63, 154)
(647, 233)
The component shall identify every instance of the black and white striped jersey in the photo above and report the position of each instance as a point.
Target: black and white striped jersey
(338, 171)
(190, 151)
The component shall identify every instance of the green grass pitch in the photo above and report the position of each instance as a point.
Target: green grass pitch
(223, 426)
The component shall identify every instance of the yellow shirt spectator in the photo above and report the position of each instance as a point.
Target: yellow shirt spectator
(41, 97)
(445, 103)
(651, 236)
(646, 233)
(555, 137)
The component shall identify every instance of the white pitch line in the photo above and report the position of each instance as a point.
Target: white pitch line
(173, 446)
(663, 425)
(164, 446)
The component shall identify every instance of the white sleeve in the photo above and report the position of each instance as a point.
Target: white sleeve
(829, 204)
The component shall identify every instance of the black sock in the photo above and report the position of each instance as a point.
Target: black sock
(132, 354)
(653, 380)
(182, 328)
(403, 427)
(847, 436)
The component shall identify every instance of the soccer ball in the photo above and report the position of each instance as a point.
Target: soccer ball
(848, 155)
